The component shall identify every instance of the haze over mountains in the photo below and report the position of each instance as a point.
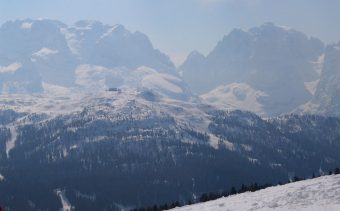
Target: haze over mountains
(281, 65)
(34, 52)
(270, 70)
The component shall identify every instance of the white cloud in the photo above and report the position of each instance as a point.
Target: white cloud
(10, 68)
(44, 52)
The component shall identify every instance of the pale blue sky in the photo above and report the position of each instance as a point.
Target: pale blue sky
(177, 27)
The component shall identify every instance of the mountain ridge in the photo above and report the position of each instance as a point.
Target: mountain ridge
(284, 64)
(52, 51)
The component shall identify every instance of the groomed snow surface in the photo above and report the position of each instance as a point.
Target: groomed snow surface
(319, 194)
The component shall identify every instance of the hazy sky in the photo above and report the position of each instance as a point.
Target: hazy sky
(177, 27)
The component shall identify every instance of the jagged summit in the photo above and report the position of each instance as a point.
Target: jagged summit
(271, 59)
(53, 51)
(195, 54)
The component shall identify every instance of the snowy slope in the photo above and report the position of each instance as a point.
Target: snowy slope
(322, 193)
(98, 78)
(236, 96)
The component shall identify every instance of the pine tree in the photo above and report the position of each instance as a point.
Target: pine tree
(233, 190)
(204, 197)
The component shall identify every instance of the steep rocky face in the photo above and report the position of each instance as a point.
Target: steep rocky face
(16, 79)
(195, 61)
(50, 51)
(327, 96)
(19, 41)
(115, 46)
(271, 59)
(326, 99)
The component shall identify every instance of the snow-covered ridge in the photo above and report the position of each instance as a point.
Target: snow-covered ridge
(236, 96)
(71, 120)
(135, 102)
(47, 51)
(321, 193)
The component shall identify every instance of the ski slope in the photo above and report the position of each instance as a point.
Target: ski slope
(317, 194)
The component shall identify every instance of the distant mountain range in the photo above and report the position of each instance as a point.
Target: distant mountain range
(37, 51)
(270, 70)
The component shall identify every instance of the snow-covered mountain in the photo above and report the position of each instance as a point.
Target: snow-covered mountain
(90, 78)
(93, 149)
(313, 195)
(114, 46)
(33, 52)
(269, 70)
(271, 59)
(40, 49)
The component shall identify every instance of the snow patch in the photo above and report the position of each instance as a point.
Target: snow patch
(110, 31)
(71, 39)
(74, 146)
(246, 147)
(11, 143)
(253, 160)
(2, 178)
(286, 28)
(309, 107)
(26, 25)
(92, 77)
(161, 81)
(66, 205)
(311, 86)
(55, 89)
(214, 140)
(318, 64)
(275, 165)
(235, 96)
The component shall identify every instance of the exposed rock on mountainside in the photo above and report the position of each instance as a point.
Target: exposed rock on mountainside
(271, 59)
(36, 51)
